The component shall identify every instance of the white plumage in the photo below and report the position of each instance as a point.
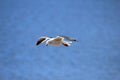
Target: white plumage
(59, 40)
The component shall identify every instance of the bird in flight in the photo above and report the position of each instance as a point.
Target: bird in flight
(56, 41)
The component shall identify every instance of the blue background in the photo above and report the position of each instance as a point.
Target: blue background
(94, 23)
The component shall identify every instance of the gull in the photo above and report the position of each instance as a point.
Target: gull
(56, 41)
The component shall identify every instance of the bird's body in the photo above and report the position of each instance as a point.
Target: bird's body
(59, 40)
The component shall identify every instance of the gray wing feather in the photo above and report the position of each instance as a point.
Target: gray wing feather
(68, 38)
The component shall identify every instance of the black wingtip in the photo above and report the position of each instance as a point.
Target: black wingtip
(40, 41)
(37, 44)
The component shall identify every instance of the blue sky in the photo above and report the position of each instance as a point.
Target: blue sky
(94, 23)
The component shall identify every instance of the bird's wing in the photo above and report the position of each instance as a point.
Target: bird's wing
(41, 39)
(68, 38)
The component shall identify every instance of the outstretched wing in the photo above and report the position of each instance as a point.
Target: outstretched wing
(41, 39)
(68, 38)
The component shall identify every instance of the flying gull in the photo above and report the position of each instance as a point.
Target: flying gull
(56, 41)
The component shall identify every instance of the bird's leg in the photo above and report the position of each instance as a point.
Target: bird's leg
(66, 44)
